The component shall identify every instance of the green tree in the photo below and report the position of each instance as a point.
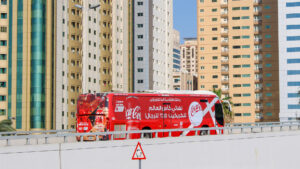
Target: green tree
(5, 125)
(226, 102)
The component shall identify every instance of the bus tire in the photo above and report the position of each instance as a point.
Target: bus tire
(147, 135)
(203, 132)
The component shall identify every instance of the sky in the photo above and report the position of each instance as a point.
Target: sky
(185, 18)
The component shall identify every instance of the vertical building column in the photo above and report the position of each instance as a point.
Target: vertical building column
(38, 64)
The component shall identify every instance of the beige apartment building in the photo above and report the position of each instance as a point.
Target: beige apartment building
(235, 55)
(189, 53)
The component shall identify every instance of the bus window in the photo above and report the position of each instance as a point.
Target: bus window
(219, 114)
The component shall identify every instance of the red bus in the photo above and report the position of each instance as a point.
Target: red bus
(148, 111)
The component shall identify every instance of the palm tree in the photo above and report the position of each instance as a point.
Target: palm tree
(5, 125)
(227, 104)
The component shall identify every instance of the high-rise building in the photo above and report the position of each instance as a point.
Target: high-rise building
(69, 61)
(289, 59)
(238, 53)
(30, 63)
(189, 53)
(4, 40)
(84, 54)
(153, 45)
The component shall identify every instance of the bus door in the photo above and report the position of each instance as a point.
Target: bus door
(167, 120)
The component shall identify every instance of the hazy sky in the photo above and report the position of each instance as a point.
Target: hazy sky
(185, 18)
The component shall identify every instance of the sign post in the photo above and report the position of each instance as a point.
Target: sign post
(139, 154)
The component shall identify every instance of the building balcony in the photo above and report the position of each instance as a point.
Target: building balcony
(225, 80)
(224, 52)
(258, 80)
(258, 70)
(258, 89)
(259, 109)
(225, 61)
(225, 90)
(257, 41)
(258, 99)
(224, 42)
(224, 3)
(224, 71)
(257, 50)
(224, 14)
(257, 60)
(257, 2)
(257, 12)
(224, 33)
(257, 21)
(257, 31)
(224, 23)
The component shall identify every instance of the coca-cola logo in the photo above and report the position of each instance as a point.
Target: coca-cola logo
(195, 113)
(133, 113)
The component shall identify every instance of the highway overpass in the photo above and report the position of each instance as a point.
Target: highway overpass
(275, 150)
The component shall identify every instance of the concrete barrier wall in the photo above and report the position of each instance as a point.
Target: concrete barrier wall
(254, 151)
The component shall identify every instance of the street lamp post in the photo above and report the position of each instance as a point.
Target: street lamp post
(90, 7)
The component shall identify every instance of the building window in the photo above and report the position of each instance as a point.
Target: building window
(3, 15)
(140, 25)
(2, 112)
(3, 2)
(3, 29)
(140, 70)
(3, 56)
(140, 47)
(3, 43)
(2, 70)
(2, 84)
(268, 104)
(293, 15)
(140, 14)
(140, 81)
(140, 3)
(140, 36)
(2, 98)
(140, 59)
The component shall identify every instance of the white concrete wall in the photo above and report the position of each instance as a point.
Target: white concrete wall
(254, 151)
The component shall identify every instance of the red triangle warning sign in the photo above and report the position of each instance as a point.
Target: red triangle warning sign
(138, 153)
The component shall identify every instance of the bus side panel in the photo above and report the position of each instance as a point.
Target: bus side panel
(161, 112)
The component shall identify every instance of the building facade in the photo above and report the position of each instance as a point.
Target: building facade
(83, 54)
(30, 64)
(176, 51)
(153, 45)
(238, 52)
(189, 53)
(4, 40)
(121, 41)
(289, 59)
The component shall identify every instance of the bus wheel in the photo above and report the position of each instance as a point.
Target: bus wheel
(147, 135)
(204, 132)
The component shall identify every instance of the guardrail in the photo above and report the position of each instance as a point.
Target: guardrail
(16, 133)
(261, 123)
(226, 130)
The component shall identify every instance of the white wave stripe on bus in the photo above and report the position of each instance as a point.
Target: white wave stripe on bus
(207, 109)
